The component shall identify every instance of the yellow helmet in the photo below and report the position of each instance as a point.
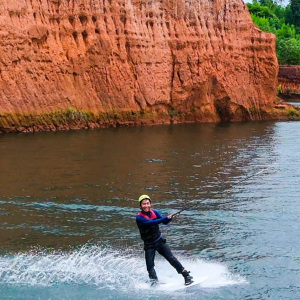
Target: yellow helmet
(143, 197)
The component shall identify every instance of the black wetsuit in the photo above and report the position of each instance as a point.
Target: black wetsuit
(153, 241)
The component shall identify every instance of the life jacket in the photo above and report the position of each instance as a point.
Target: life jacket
(149, 233)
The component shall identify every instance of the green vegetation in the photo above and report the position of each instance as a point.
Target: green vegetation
(278, 89)
(293, 114)
(77, 118)
(294, 15)
(284, 22)
(172, 112)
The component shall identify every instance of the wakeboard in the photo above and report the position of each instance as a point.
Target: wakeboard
(196, 281)
(175, 286)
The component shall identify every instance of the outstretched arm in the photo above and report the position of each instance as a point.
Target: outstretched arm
(160, 219)
(169, 217)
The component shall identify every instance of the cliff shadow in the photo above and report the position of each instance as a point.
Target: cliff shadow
(229, 111)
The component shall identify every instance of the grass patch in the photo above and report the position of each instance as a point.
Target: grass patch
(293, 114)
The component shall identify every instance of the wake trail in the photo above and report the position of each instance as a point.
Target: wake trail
(103, 268)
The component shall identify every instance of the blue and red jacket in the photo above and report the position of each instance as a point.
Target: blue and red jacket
(148, 224)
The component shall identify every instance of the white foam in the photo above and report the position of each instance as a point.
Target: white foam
(104, 268)
(218, 274)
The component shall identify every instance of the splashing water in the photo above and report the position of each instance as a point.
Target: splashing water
(89, 265)
(103, 269)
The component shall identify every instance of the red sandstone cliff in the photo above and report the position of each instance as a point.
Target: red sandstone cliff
(88, 63)
(289, 80)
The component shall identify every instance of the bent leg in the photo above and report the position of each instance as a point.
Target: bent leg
(165, 251)
(149, 256)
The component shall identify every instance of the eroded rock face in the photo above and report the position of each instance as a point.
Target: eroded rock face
(289, 80)
(91, 63)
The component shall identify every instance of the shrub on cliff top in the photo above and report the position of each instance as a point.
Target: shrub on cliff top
(261, 11)
(263, 24)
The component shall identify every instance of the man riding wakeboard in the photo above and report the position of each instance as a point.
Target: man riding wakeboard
(148, 221)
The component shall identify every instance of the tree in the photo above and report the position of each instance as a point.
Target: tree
(286, 32)
(288, 51)
(294, 15)
(263, 24)
(284, 22)
(265, 12)
(261, 11)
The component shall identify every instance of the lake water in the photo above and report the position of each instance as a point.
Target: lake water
(294, 103)
(68, 202)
